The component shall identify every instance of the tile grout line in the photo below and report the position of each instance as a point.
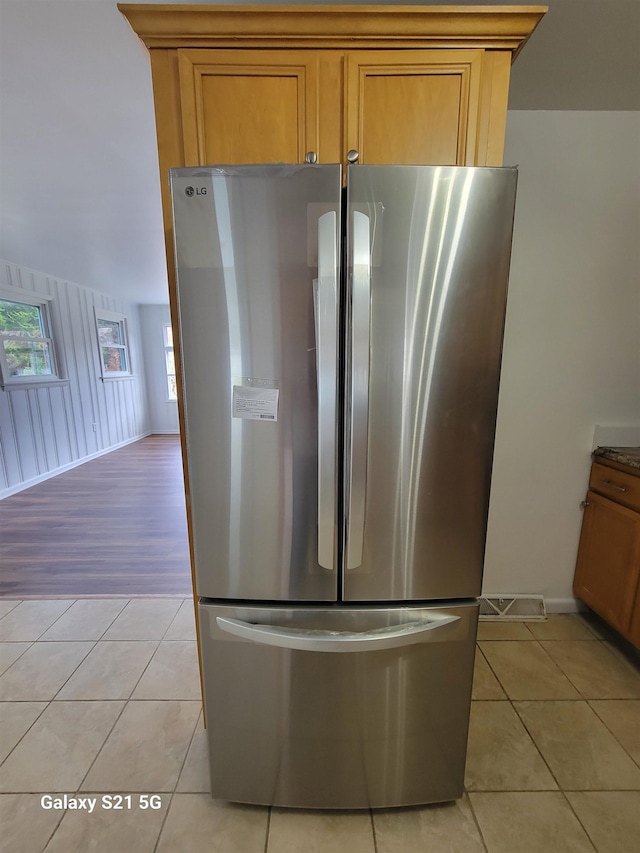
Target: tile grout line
(533, 741)
(97, 640)
(95, 643)
(128, 639)
(125, 703)
(172, 621)
(266, 837)
(17, 600)
(560, 669)
(49, 625)
(529, 735)
(164, 820)
(20, 739)
(609, 729)
(55, 829)
(148, 664)
(73, 601)
(476, 821)
(577, 817)
(145, 668)
(602, 644)
(108, 735)
(184, 760)
(373, 831)
(495, 675)
(62, 642)
(29, 644)
(122, 609)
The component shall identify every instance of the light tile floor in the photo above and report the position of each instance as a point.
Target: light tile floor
(101, 697)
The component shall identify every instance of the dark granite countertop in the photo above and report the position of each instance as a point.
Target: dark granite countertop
(624, 455)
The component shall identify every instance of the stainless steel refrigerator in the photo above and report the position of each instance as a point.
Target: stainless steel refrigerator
(341, 356)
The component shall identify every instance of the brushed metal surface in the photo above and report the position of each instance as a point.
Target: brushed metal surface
(362, 729)
(246, 250)
(440, 248)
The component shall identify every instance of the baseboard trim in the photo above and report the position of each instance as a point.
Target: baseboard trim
(27, 484)
(563, 605)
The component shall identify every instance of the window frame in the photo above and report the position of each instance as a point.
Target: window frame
(169, 347)
(121, 320)
(44, 304)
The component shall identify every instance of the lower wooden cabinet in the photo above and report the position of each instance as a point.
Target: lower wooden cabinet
(608, 566)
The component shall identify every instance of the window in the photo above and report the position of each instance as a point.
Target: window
(172, 390)
(113, 343)
(26, 351)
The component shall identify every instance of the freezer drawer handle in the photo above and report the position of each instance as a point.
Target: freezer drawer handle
(325, 305)
(409, 634)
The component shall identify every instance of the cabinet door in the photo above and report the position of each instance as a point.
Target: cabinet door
(609, 560)
(413, 107)
(248, 106)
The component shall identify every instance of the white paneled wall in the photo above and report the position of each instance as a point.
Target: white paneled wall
(46, 429)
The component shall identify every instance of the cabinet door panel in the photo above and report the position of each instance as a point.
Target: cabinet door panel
(414, 107)
(248, 106)
(609, 560)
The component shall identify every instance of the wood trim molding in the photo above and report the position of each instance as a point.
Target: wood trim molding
(489, 27)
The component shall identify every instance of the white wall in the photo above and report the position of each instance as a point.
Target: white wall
(163, 413)
(572, 341)
(46, 430)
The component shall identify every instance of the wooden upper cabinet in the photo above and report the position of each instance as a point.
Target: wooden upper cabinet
(243, 106)
(392, 106)
(413, 107)
(399, 84)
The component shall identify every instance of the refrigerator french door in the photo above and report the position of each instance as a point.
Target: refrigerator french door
(341, 357)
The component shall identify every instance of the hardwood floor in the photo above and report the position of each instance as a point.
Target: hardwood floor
(113, 526)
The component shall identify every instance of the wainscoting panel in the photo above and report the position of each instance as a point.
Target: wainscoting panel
(48, 427)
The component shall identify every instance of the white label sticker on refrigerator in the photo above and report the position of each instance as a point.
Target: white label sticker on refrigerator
(257, 404)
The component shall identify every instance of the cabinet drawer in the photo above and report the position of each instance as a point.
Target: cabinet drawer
(618, 485)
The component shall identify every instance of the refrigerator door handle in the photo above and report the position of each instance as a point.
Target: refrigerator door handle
(411, 633)
(359, 402)
(325, 304)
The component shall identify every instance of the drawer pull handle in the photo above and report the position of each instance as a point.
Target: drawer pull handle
(613, 485)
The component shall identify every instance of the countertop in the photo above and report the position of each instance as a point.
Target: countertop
(624, 455)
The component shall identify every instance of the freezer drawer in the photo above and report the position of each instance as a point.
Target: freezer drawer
(324, 707)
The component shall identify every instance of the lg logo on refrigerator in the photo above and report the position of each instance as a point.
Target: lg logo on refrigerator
(191, 191)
